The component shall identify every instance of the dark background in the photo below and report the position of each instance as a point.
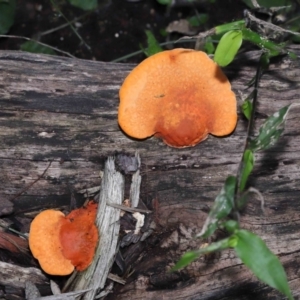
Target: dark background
(114, 29)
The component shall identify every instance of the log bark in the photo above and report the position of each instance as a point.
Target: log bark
(64, 111)
(17, 276)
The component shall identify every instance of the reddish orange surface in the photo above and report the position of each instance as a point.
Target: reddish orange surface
(79, 236)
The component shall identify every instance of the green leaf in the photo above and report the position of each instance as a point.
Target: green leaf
(262, 42)
(248, 163)
(7, 15)
(237, 25)
(209, 46)
(185, 260)
(84, 4)
(270, 131)
(247, 108)
(222, 207)
(295, 26)
(153, 45)
(164, 2)
(264, 60)
(293, 55)
(33, 47)
(190, 256)
(228, 47)
(231, 225)
(254, 253)
(198, 20)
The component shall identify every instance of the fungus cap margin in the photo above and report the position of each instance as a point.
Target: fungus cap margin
(45, 245)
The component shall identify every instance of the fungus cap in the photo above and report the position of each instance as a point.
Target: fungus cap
(45, 245)
(61, 242)
(180, 95)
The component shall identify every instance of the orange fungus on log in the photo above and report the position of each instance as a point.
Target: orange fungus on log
(61, 242)
(179, 95)
(79, 236)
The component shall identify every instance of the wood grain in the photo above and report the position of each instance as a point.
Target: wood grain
(65, 111)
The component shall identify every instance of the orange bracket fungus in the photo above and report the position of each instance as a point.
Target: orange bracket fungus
(179, 95)
(61, 242)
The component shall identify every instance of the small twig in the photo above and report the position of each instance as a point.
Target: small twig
(71, 26)
(141, 51)
(116, 278)
(107, 290)
(29, 186)
(268, 24)
(65, 296)
(63, 25)
(32, 40)
(259, 72)
(129, 209)
(20, 248)
(14, 231)
(201, 35)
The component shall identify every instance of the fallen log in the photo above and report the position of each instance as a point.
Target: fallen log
(58, 120)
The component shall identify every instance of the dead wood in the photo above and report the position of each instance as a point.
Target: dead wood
(108, 224)
(65, 111)
(13, 243)
(16, 276)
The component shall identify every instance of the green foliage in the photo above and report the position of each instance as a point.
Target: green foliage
(247, 108)
(7, 15)
(294, 25)
(223, 205)
(32, 46)
(164, 2)
(186, 259)
(237, 25)
(209, 46)
(249, 247)
(263, 43)
(231, 42)
(248, 163)
(254, 253)
(190, 256)
(270, 131)
(84, 4)
(153, 46)
(231, 226)
(228, 47)
(198, 20)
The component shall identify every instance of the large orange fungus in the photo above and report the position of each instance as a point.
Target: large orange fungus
(179, 95)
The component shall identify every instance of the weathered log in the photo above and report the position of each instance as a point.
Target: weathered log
(64, 111)
(17, 276)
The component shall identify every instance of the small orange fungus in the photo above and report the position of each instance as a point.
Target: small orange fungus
(61, 242)
(179, 95)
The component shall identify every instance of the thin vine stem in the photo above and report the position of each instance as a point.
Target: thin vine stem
(261, 67)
